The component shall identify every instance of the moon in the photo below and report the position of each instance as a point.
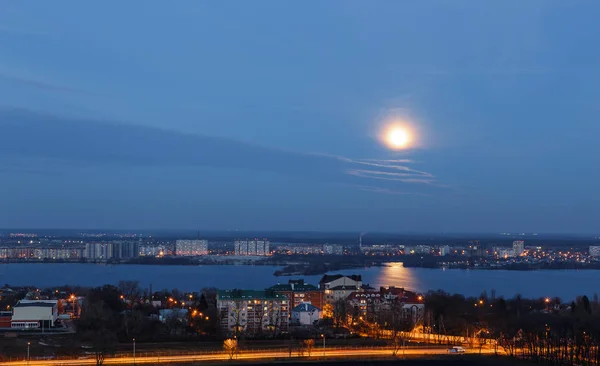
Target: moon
(397, 137)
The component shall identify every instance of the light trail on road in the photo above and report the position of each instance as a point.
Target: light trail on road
(247, 355)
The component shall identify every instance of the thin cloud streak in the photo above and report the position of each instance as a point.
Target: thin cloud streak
(380, 190)
(378, 175)
(71, 144)
(368, 173)
(386, 164)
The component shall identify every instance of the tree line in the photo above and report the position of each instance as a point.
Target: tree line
(544, 330)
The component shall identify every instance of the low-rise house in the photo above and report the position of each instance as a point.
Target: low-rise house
(305, 314)
(165, 315)
(156, 303)
(252, 312)
(34, 314)
(5, 319)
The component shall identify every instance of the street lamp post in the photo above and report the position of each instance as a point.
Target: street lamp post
(28, 344)
(323, 336)
(134, 351)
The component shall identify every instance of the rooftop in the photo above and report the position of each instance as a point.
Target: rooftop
(306, 307)
(173, 312)
(35, 304)
(237, 294)
(330, 278)
(294, 287)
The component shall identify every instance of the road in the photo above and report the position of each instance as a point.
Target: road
(247, 355)
(435, 338)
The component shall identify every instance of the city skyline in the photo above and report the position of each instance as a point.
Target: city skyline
(265, 117)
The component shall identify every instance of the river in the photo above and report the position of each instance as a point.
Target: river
(566, 284)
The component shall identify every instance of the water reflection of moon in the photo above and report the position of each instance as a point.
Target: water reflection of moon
(399, 276)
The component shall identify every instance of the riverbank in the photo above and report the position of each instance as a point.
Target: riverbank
(505, 283)
(316, 264)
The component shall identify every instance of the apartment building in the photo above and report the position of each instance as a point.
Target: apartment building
(298, 292)
(338, 286)
(252, 312)
(333, 249)
(392, 301)
(191, 248)
(252, 247)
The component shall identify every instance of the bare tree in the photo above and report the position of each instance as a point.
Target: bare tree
(397, 342)
(340, 312)
(309, 344)
(97, 327)
(231, 347)
(275, 321)
(481, 336)
(239, 323)
(130, 290)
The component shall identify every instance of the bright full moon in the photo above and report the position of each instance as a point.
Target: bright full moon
(397, 137)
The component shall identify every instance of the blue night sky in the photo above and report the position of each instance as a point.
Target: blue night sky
(263, 115)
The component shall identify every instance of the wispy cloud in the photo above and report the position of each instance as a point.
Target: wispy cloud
(381, 190)
(391, 176)
(389, 164)
(70, 144)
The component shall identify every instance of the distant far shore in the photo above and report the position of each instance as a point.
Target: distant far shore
(309, 265)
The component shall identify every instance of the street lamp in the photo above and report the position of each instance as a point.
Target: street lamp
(73, 299)
(323, 336)
(28, 344)
(134, 351)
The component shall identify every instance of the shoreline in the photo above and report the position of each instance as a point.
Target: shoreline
(302, 269)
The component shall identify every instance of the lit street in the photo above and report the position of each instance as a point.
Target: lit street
(249, 355)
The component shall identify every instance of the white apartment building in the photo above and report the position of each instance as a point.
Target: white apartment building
(190, 248)
(595, 250)
(65, 252)
(126, 249)
(252, 247)
(252, 312)
(518, 247)
(302, 249)
(333, 249)
(444, 250)
(417, 249)
(98, 251)
(152, 250)
(339, 287)
(504, 252)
